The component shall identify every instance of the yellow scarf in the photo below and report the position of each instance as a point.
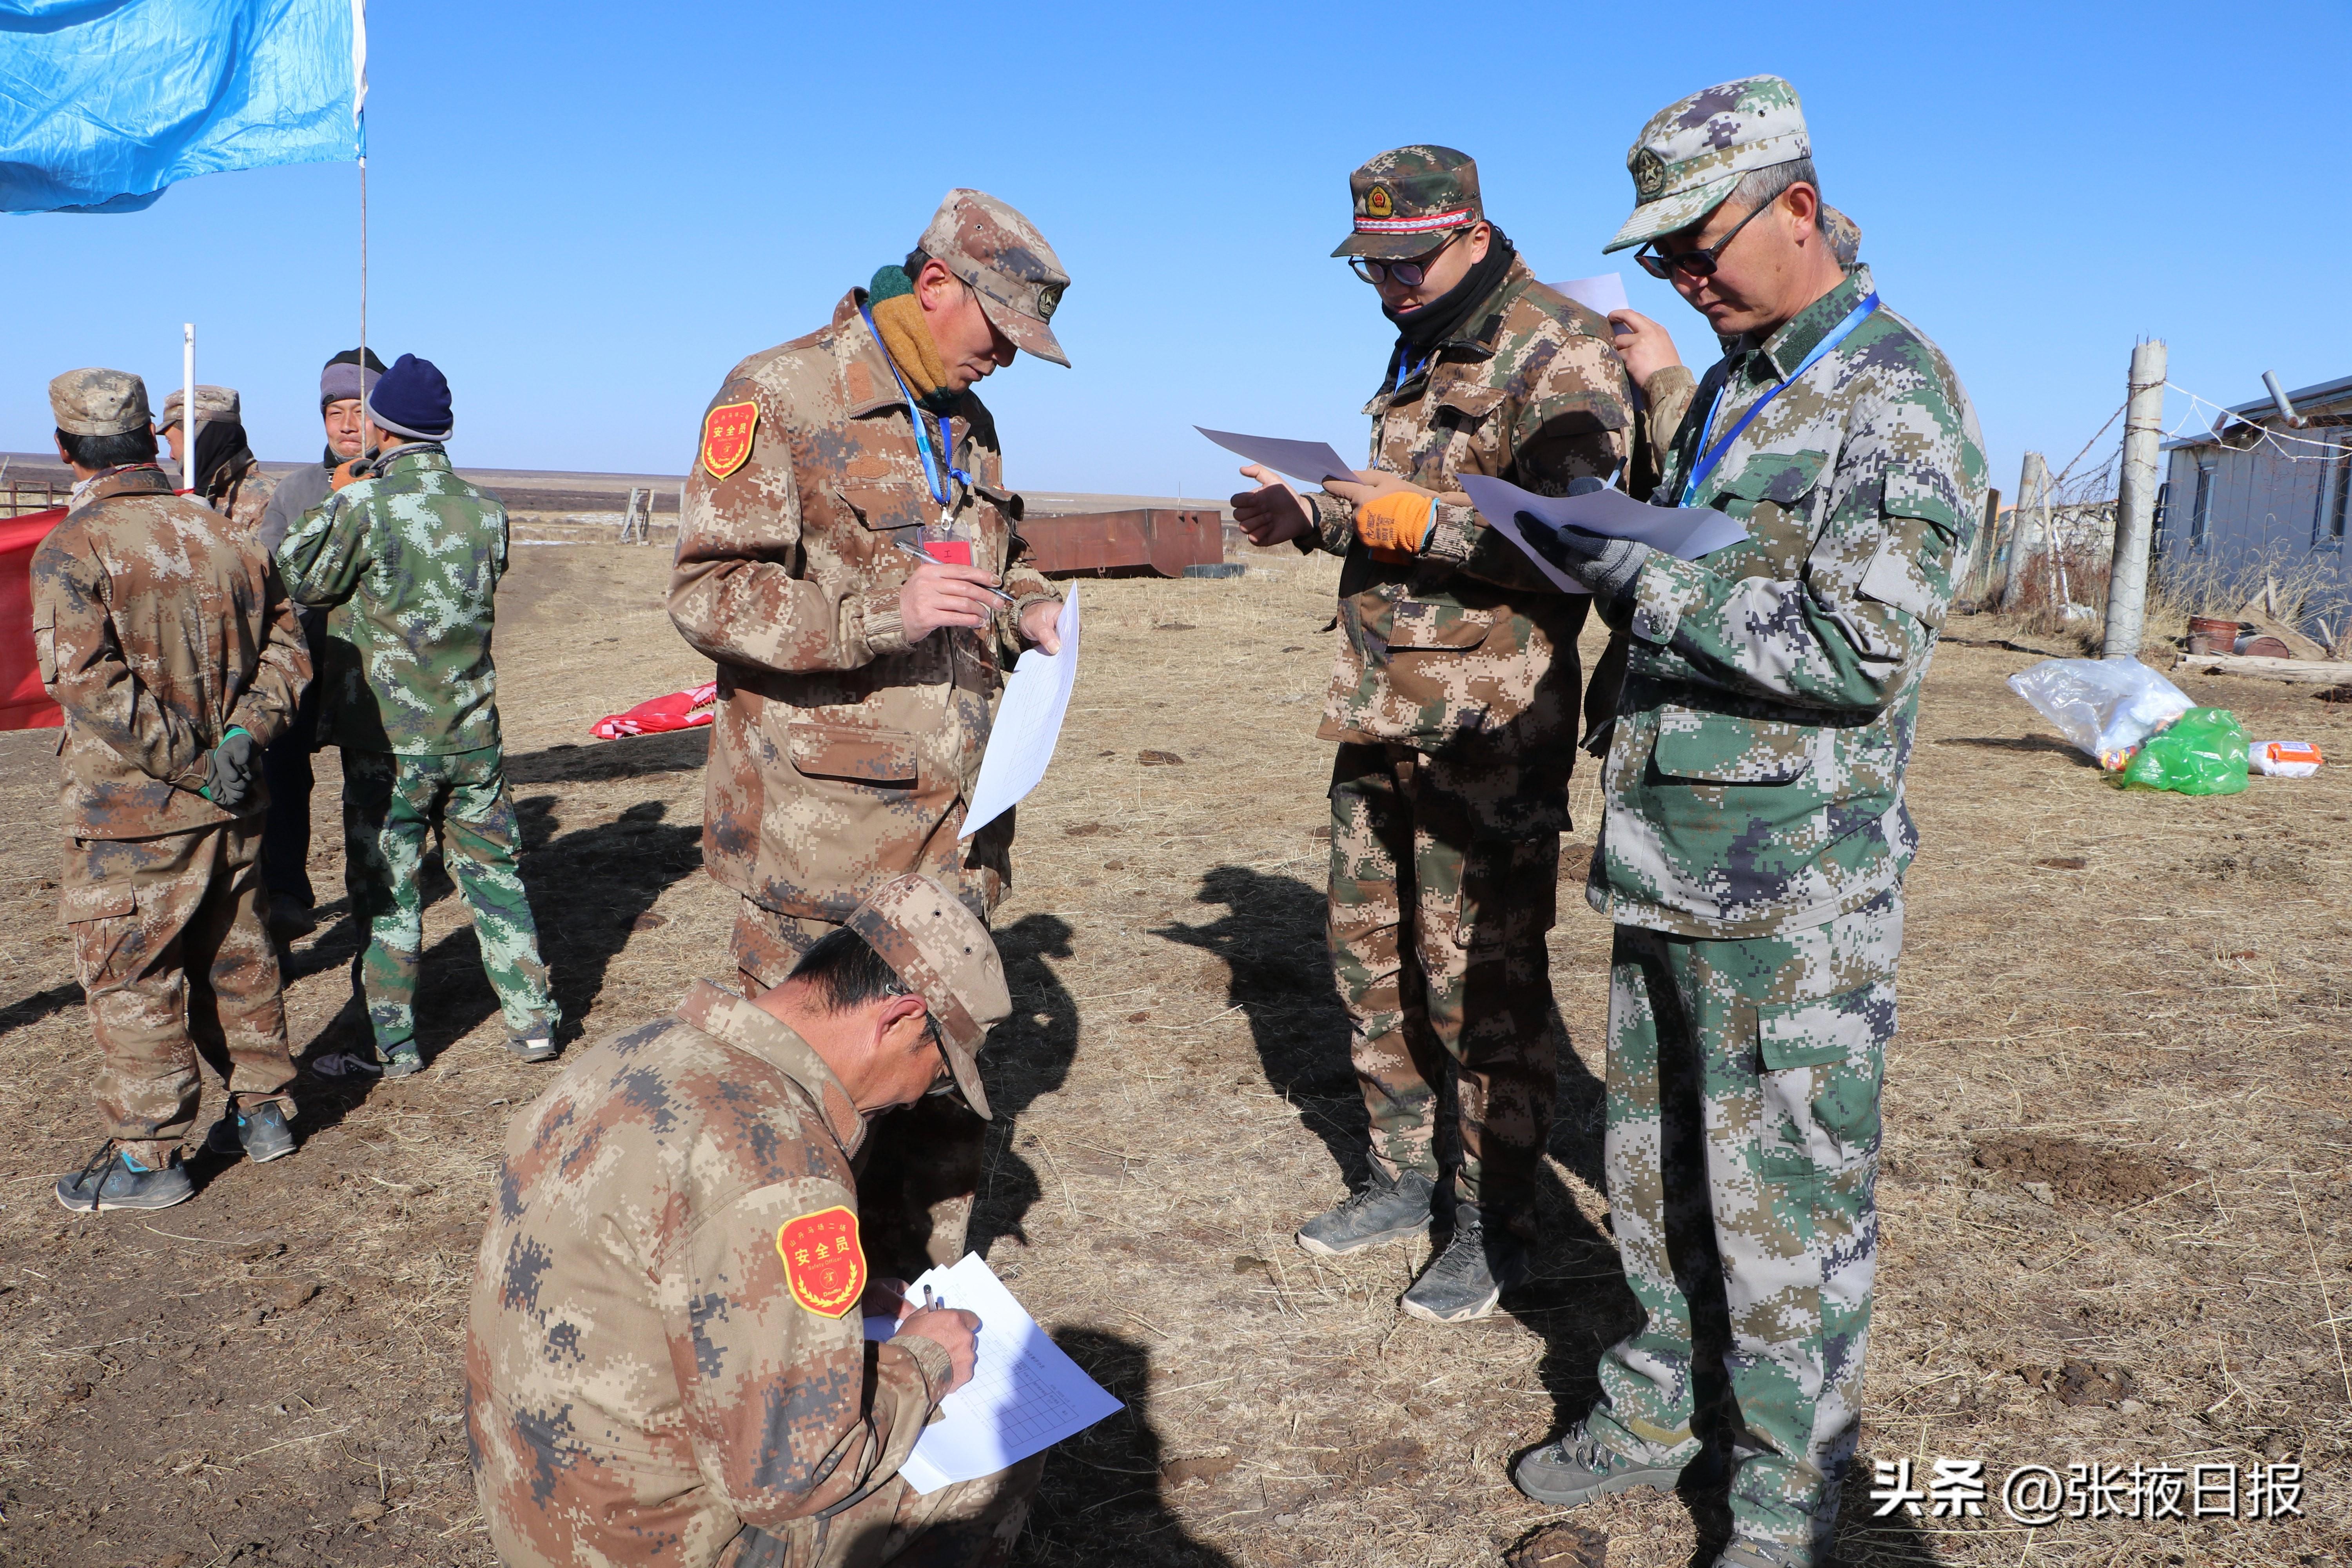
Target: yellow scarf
(906, 337)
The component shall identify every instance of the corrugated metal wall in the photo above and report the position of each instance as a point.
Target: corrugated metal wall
(2234, 513)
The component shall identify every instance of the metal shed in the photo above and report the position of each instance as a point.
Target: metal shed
(2260, 496)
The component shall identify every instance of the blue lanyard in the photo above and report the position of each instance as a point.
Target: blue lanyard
(1405, 373)
(932, 463)
(1705, 465)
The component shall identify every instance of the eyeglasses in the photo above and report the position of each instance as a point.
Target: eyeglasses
(946, 1085)
(1407, 274)
(1697, 263)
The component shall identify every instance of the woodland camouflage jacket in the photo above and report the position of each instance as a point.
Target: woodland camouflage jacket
(410, 558)
(654, 1358)
(157, 627)
(1755, 778)
(842, 754)
(1467, 648)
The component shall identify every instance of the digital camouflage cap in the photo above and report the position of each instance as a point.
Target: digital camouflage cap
(1405, 199)
(1692, 153)
(99, 402)
(1007, 262)
(942, 953)
(213, 404)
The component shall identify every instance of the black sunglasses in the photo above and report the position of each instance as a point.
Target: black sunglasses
(1697, 263)
(1407, 274)
(942, 1087)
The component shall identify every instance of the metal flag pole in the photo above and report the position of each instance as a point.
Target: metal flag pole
(188, 406)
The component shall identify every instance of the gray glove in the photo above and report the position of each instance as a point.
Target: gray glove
(1605, 566)
(230, 769)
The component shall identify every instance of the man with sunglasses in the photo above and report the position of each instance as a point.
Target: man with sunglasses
(1454, 707)
(664, 1360)
(1754, 836)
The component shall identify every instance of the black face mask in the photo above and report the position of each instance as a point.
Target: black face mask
(1419, 332)
(219, 444)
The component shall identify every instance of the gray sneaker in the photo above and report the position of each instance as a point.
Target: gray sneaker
(1470, 1276)
(261, 1131)
(402, 1061)
(1383, 1212)
(1576, 1469)
(112, 1182)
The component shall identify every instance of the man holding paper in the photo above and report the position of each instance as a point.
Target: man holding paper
(847, 556)
(666, 1360)
(1755, 838)
(1454, 707)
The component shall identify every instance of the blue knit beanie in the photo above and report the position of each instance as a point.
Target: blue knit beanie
(412, 400)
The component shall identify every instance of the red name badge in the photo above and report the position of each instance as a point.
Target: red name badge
(949, 552)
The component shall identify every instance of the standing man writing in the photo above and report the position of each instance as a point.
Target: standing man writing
(163, 634)
(1755, 838)
(286, 841)
(847, 556)
(409, 556)
(1455, 705)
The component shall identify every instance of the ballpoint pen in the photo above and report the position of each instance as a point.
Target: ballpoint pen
(921, 554)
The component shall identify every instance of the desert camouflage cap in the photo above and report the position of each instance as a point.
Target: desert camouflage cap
(1007, 262)
(1407, 198)
(99, 402)
(213, 403)
(1692, 153)
(943, 955)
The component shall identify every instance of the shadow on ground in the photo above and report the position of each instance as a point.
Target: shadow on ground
(1028, 1056)
(1101, 1501)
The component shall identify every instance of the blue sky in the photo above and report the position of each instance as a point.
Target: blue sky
(586, 212)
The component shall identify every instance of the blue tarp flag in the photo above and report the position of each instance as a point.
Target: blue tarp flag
(103, 103)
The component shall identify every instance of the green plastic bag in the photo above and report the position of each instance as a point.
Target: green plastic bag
(2203, 753)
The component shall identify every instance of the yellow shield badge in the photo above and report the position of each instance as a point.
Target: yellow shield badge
(727, 436)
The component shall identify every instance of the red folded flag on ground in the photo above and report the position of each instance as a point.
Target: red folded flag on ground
(678, 710)
(23, 704)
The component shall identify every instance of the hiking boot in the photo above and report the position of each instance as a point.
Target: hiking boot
(536, 1047)
(1470, 1275)
(261, 1131)
(1383, 1212)
(1576, 1469)
(402, 1061)
(111, 1181)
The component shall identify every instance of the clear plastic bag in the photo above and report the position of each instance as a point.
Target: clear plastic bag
(2106, 706)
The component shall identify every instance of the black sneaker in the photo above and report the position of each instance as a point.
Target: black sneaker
(534, 1048)
(1576, 1469)
(289, 917)
(1383, 1212)
(402, 1061)
(261, 1132)
(1470, 1275)
(112, 1182)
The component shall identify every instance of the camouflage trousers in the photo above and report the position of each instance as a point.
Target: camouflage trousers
(171, 950)
(1443, 885)
(918, 1170)
(971, 1524)
(392, 804)
(1742, 1159)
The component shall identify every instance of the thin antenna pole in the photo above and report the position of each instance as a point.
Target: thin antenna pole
(363, 277)
(188, 406)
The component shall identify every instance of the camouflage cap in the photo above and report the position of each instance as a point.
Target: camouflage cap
(99, 402)
(943, 955)
(1406, 198)
(213, 403)
(1691, 154)
(1007, 262)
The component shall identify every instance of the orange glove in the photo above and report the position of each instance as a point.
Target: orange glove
(1394, 524)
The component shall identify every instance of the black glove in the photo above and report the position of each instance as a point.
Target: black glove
(1606, 566)
(230, 769)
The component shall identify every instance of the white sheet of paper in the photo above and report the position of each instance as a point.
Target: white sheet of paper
(1025, 1393)
(1028, 724)
(1604, 293)
(1313, 461)
(1686, 531)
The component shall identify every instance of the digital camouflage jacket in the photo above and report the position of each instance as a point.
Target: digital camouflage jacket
(842, 755)
(655, 1353)
(1467, 646)
(243, 497)
(1755, 780)
(158, 626)
(410, 559)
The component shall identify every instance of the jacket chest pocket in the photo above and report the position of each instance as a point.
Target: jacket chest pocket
(1418, 627)
(1724, 748)
(1773, 495)
(881, 508)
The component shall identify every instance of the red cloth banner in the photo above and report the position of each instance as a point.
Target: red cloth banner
(23, 704)
(685, 709)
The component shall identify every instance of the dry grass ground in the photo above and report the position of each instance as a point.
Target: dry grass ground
(2116, 1214)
